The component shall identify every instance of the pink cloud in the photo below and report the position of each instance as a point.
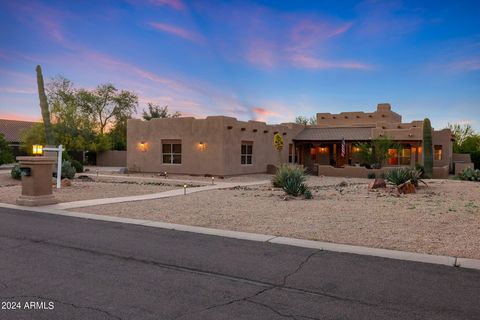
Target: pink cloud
(174, 4)
(17, 90)
(262, 53)
(177, 31)
(315, 63)
(472, 64)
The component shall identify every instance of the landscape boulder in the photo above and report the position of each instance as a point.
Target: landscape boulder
(66, 182)
(376, 184)
(407, 187)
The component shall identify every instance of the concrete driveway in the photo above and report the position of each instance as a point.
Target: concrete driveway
(88, 269)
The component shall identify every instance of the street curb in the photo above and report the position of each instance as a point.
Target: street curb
(311, 244)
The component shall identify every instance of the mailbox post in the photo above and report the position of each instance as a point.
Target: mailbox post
(36, 181)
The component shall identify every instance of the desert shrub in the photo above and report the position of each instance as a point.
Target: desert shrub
(308, 194)
(421, 168)
(371, 175)
(288, 170)
(16, 173)
(294, 186)
(68, 171)
(399, 176)
(77, 165)
(470, 174)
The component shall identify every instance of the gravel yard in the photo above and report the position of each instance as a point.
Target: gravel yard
(84, 190)
(441, 219)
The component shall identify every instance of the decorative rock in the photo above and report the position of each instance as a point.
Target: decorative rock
(407, 187)
(66, 182)
(343, 184)
(377, 183)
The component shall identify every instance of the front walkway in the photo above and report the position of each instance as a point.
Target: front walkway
(166, 194)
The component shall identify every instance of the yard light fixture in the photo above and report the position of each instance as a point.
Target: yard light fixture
(37, 149)
(166, 175)
(213, 180)
(142, 146)
(184, 189)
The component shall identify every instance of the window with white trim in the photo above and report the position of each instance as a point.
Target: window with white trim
(172, 152)
(246, 152)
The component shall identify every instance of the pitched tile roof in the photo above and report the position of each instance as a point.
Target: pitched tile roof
(330, 134)
(12, 129)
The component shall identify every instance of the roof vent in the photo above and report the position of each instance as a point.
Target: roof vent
(243, 129)
(229, 127)
(265, 131)
(255, 130)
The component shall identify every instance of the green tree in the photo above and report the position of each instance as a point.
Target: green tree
(118, 135)
(466, 140)
(5, 152)
(50, 139)
(375, 152)
(155, 111)
(34, 135)
(427, 148)
(306, 121)
(106, 105)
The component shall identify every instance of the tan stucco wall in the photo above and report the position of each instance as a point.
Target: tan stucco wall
(112, 158)
(383, 113)
(222, 137)
(443, 138)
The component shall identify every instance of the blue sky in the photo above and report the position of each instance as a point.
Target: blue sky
(264, 60)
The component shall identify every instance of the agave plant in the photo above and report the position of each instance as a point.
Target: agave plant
(288, 171)
(401, 175)
(470, 174)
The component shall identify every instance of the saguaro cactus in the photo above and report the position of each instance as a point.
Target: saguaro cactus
(49, 138)
(428, 148)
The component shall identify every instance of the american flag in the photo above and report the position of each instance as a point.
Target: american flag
(343, 147)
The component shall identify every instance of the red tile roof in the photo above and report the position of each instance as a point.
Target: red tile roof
(12, 129)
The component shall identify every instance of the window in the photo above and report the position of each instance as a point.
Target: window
(437, 152)
(290, 153)
(171, 152)
(313, 153)
(405, 155)
(246, 152)
(392, 157)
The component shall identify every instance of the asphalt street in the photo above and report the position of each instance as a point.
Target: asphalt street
(57, 267)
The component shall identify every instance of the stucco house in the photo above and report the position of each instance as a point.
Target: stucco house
(12, 130)
(224, 146)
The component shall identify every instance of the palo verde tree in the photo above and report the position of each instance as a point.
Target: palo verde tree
(278, 145)
(427, 148)
(49, 137)
(306, 121)
(155, 111)
(106, 105)
(375, 152)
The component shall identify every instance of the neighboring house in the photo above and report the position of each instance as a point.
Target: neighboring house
(224, 146)
(12, 129)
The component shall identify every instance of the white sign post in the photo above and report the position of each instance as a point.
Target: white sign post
(59, 151)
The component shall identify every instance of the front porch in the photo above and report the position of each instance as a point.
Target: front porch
(315, 154)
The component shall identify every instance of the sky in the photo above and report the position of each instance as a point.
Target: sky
(254, 60)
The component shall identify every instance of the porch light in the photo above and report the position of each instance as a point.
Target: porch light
(142, 146)
(37, 150)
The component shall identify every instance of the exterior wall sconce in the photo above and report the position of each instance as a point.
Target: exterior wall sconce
(201, 146)
(37, 150)
(143, 146)
(355, 149)
(410, 135)
(323, 150)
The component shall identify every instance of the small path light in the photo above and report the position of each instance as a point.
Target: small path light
(213, 180)
(166, 175)
(184, 189)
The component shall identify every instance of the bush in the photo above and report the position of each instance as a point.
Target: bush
(77, 165)
(68, 171)
(287, 170)
(470, 174)
(371, 175)
(291, 178)
(419, 167)
(16, 173)
(308, 194)
(399, 176)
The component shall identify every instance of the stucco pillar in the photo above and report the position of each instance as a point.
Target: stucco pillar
(36, 181)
